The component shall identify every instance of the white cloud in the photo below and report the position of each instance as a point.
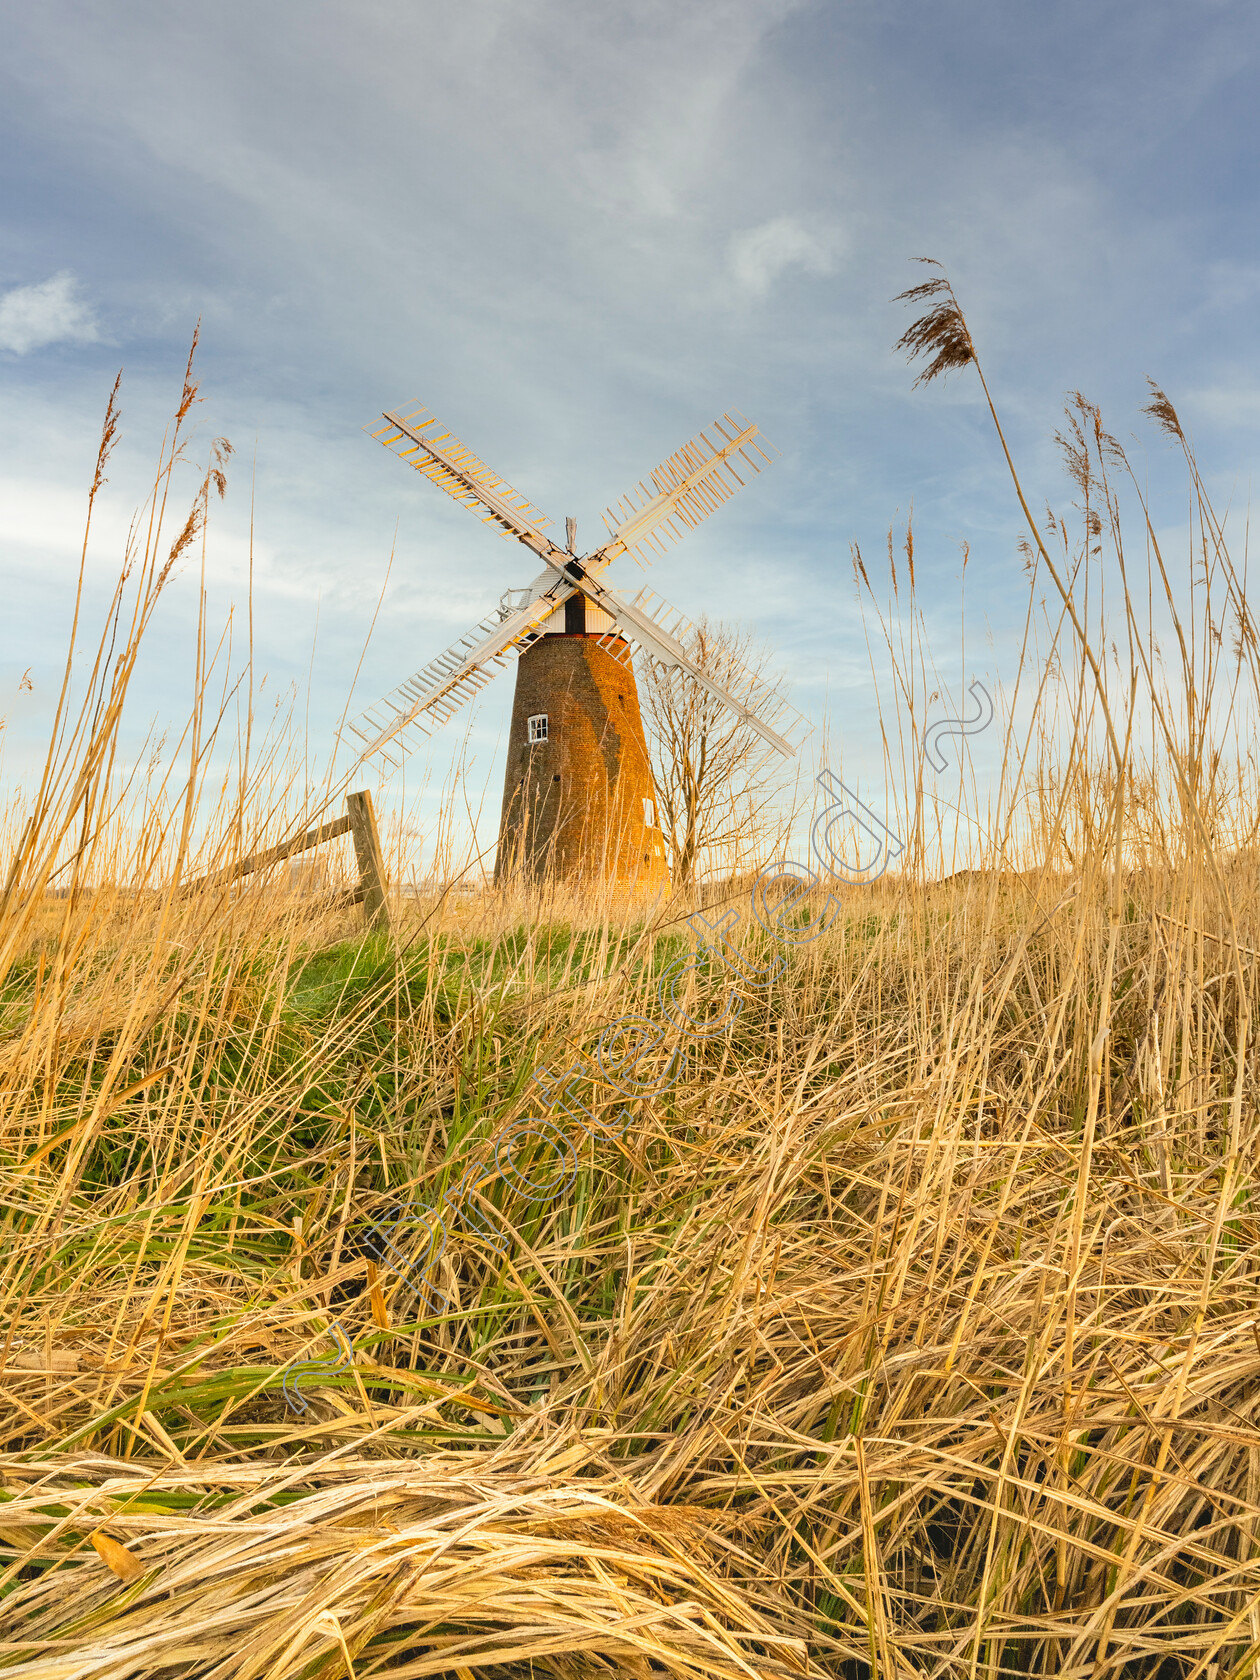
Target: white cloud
(47, 313)
(1229, 404)
(760, 255)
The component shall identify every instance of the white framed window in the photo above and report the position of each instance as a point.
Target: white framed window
(536, 727)
(649, 814)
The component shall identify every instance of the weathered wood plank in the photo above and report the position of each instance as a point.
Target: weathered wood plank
(275, 854)
(367, 848)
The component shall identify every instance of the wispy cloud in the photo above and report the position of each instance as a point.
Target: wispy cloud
(1229, 403)
(49, 312)
(579, 232)
(759, 255)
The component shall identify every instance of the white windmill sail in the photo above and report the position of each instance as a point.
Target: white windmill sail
(417, 438)
(684, 490)
(418, 708)
(655, 636)
(658, 643)
(752, 694)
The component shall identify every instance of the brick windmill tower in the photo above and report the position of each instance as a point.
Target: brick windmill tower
(579, 802)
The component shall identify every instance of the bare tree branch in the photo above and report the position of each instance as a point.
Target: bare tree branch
(717, 780)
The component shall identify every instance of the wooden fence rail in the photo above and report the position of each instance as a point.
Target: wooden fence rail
(360, 823)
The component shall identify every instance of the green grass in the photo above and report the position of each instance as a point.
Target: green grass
(911, 1331)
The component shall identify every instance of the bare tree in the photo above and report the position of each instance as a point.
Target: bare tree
(717, 779)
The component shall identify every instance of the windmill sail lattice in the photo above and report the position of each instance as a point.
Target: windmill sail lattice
(687, 488)
(417, 438)
(753, 694)
(397, 724)
(684, 490)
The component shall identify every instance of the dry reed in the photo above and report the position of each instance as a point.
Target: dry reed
(913, 1331)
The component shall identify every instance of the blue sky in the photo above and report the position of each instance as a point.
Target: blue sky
(577, 233)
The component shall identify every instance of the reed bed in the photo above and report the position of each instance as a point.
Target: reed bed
(913, 1330)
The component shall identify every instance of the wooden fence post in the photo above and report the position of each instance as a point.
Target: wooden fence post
(367, 849)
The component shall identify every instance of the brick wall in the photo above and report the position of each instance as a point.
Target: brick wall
(573, 804)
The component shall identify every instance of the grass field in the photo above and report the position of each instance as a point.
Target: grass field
(914, 1330)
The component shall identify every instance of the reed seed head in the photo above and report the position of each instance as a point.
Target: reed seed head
(941, 333)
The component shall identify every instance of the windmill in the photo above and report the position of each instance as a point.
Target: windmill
(578, 798)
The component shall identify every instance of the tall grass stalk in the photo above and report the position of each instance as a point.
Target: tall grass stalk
(914, 1330)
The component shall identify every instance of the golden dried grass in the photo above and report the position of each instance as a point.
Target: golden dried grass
(913, 1331)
